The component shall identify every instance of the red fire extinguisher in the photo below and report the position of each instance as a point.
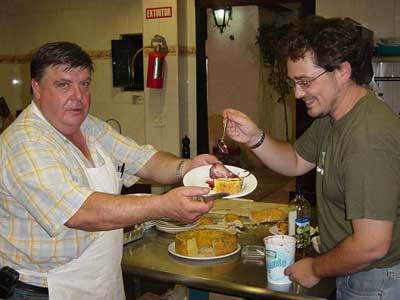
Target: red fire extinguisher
(155, 73)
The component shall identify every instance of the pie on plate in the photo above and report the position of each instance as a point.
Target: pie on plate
(267, 215)
(205, 242)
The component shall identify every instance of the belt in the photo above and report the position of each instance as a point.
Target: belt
(32, 288)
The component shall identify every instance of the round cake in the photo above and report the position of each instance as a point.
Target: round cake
(205, 243)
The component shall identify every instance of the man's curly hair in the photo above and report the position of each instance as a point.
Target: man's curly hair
(331, 41)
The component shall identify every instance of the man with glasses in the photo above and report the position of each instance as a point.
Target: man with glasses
(355, 146)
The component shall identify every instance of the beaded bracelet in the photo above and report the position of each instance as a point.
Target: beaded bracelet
(260, 141)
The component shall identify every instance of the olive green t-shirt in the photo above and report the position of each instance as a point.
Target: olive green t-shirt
(358, 171)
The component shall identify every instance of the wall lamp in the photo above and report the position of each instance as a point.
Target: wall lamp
(222, 16)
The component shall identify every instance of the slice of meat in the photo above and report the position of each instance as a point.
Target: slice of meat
(218, 170)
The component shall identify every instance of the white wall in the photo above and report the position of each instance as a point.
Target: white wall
(233, 67)
(187, 72)
(383, 17)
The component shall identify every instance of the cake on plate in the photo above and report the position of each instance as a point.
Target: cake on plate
(228, 185)
(205, 243)
(272, 214)
(222, 180)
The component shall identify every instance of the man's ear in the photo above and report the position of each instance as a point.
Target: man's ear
(344, 71)
(35, 89)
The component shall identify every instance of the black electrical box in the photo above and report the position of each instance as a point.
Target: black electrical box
(126, 67)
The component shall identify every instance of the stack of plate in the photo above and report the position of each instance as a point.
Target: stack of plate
(171, 226)
(133, 233)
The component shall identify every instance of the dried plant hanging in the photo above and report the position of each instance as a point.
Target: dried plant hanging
(268, 38)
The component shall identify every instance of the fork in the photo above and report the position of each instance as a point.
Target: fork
(223, 148)
(214, 196)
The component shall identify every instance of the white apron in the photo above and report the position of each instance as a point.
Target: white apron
(96, 274)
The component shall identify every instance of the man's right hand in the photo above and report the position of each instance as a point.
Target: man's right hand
(241, 128)
(184, 204)
(103, 211)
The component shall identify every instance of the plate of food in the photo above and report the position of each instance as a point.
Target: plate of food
(204, 244)
(171, 249)
(222, 178)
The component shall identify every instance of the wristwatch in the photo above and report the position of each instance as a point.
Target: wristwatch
(180, 168)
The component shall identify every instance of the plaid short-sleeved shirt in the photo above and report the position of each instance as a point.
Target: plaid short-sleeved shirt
(42, 185)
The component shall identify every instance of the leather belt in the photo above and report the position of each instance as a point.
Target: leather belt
(32, 288)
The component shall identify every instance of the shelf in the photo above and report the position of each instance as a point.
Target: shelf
(393, 59)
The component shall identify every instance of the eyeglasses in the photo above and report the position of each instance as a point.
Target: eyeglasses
(304, 83)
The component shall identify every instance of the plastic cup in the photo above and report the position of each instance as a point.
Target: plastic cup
(279, 254)
(284, 287)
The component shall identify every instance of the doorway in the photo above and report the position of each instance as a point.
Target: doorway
(211, 84)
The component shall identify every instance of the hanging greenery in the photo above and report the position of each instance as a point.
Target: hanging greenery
(268, 39)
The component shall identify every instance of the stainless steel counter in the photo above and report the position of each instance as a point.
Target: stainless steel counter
(149, 258)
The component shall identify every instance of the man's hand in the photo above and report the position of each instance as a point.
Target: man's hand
(103, 211)
(241, 128)
(184, 204)
(200, 160)
(302, 272)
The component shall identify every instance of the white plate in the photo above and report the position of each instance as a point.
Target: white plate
(171, 249)
(275, 231)
(174, 229)
(199, 177)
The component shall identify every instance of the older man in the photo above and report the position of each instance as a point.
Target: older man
(60, 212)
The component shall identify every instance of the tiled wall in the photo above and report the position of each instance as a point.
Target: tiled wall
(25, 25)
(162, 105)
(160, 117)
(93, 24)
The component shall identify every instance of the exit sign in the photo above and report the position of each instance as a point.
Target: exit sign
(159, 12)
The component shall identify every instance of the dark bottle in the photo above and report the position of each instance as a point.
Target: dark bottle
(185, 147)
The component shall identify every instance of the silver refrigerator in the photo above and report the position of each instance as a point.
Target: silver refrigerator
(386, 83)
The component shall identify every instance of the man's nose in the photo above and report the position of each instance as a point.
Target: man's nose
(77, 91)
(298, 91)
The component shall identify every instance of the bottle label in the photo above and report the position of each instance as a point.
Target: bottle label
(292, 222)
(302, 232)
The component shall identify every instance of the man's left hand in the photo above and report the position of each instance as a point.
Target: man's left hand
(201, 160)
(302, 272)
